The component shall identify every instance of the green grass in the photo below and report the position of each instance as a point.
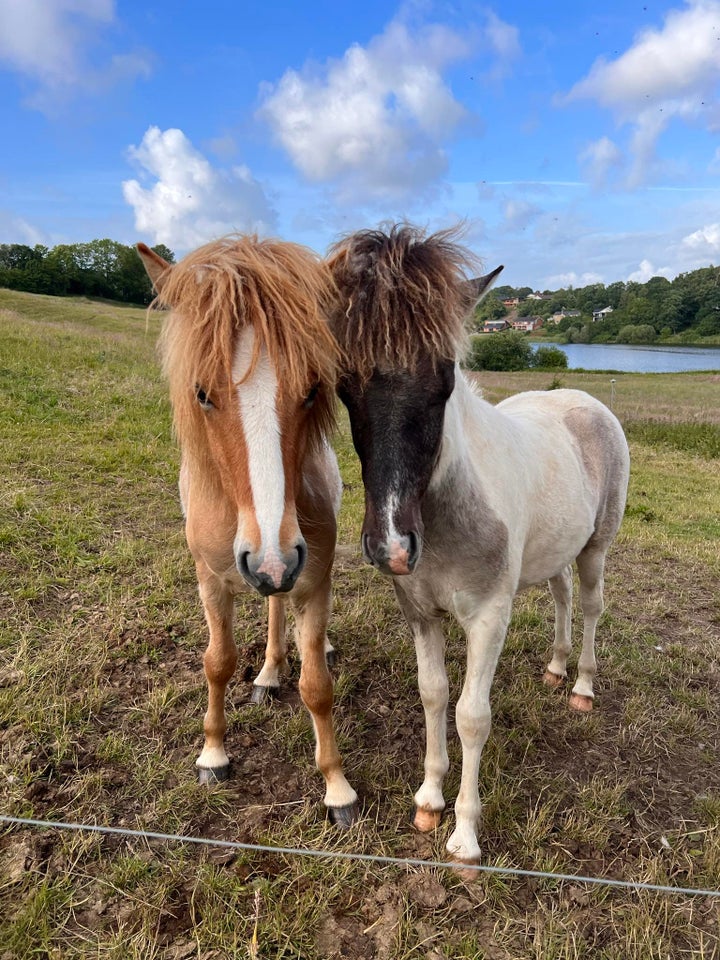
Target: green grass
(102, 697)
(701, 439)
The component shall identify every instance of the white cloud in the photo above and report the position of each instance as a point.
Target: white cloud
(646, 271)
(47, 42)
(519, 214)
(599, 158)
(561, 281)
(14, 229)
(504, 40)
(705, 240)
(671, 72)
(375, 121)
(192, 202)
(502, 37)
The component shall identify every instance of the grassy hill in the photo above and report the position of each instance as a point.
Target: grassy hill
(102, 697)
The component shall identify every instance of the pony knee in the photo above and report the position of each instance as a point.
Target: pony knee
(434, 694)
(472, 723)
(316, 693)
(219, 664)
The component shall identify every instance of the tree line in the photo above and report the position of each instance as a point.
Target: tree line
(100, 268)
(689, 306)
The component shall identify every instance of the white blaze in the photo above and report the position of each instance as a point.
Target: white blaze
(256, 398)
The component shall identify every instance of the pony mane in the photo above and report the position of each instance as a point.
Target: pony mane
(402, 295)
(282, 291)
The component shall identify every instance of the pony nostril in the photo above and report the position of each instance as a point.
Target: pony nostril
(413, 548)
(365, 543)
(243, 565)
(302, 556)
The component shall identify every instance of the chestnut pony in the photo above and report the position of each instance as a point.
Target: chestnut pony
(466, 503)
(251, 367)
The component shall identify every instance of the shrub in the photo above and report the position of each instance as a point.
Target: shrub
(550, 358)
(637, 333)
(508, 350)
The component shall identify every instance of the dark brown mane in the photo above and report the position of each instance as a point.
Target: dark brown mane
(281, 290)
(402, 294)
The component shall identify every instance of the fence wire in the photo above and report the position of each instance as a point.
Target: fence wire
(404, 862)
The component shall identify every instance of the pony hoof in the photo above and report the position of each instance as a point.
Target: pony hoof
(344, 817)
(426, 820)
(331, 658)
(209, 775)
(463, 869)
(261, 695)
(553, 680)
(581, 703)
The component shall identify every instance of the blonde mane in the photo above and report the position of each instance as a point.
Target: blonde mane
(279, 289)
(402, 294)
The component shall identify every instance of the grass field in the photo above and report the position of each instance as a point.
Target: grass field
(102, 697)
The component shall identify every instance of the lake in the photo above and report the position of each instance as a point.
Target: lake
(639, 359)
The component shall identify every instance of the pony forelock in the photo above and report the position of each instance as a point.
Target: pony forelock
(402, 295)
(279, 289)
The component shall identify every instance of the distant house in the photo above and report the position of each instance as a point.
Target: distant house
(527, 324)
(539, 296)
(562, 314)
(511, 302)
(601, 314)
(495, 326)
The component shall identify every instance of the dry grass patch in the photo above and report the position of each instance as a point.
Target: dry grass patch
(102, 697)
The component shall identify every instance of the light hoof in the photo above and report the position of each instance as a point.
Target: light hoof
(331, 658)
(580, 703)
(261, 695)
(426, 820)
(210, 775)
(553, 680)
(344, 817)
(463, 869)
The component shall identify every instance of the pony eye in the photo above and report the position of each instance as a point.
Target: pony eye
(310, 398)
(203, 399)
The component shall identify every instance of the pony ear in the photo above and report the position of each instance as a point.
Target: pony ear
(157, 269)
(476, 289)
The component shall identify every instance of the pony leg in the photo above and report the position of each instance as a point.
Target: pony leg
(433, 686)
(267, 682)
(316, 690)
(561, 588)
(220, 660)
(486, 629)
(591, 566)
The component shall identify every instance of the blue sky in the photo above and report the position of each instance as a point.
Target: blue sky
(579, 142)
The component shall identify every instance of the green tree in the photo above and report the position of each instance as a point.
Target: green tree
(579, 334)
(165, 252)
(508, 350)
(489, 308)
(637, 333)
(549, 358)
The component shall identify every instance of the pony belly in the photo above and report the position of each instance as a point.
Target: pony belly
(550, 557)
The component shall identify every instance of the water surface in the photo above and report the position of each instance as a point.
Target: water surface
(639, 359)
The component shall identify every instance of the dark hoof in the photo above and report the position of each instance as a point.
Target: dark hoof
(261, 695)
(344, 817)
(331, 658)
(213, 774)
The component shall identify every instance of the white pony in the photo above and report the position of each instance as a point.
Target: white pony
(467, 503)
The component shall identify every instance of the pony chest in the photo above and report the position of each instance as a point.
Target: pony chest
(464, 540)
